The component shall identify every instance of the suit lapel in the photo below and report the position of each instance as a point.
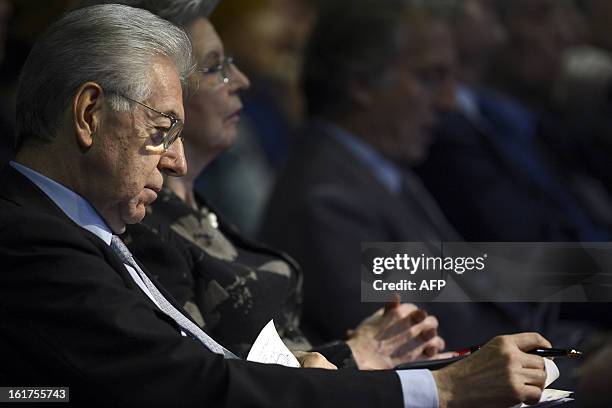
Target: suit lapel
(434, 221)
(169, 297)
(408, 213)
(412, 215)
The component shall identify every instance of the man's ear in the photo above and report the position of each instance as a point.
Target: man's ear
(86, 112)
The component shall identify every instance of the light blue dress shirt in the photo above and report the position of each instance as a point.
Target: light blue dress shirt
(418, 386)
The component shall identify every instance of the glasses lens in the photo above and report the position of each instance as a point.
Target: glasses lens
(173, 134)
(226, 67)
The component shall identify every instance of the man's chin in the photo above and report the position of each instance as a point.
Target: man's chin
(116, 225)
(134, 215)
(118, 230)
(137, 216)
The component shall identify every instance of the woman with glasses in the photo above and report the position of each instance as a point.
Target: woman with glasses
(231, 286)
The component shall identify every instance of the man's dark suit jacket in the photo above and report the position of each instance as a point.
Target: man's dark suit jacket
(72, 316)
(326, 202)
(494, 184)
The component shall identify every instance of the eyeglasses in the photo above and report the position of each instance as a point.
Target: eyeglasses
(171, 133)
(223, 67)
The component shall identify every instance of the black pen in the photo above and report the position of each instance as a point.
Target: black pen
(555, 352)
(437, 364)
(542, 352)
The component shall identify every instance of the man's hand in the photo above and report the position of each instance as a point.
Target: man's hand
(393, 336)
(313, 360)
(500, 374)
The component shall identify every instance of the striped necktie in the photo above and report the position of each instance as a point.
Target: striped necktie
(187, 325)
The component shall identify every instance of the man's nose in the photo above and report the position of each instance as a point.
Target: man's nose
(173, 162)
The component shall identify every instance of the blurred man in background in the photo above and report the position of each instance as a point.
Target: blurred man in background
(350, 180)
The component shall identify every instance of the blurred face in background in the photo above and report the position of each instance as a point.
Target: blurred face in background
(420, 81)
(268, 39)
(213, 111)
(435, 61)
(267, 35)
(478, 34)
(539, 36)
(398, 108)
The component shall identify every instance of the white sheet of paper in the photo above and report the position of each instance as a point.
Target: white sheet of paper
(550, 397)
(552, 372)
(270, 349)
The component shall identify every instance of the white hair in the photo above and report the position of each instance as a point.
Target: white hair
(112, 45)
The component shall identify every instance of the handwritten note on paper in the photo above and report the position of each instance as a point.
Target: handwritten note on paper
(550, 397)
(270, 349)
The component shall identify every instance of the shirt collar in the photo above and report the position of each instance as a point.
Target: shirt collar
(383, 169)
(467, 101)
(72, 204)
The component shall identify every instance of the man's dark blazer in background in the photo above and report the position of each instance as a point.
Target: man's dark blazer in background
(494, 183)
(72, 316)
(327, 201)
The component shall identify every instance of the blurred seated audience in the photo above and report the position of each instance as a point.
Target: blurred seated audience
(584, 93)
(488, 168)
(370, 79)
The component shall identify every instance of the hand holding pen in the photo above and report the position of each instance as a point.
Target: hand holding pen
(460, 355)
(500, 373)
